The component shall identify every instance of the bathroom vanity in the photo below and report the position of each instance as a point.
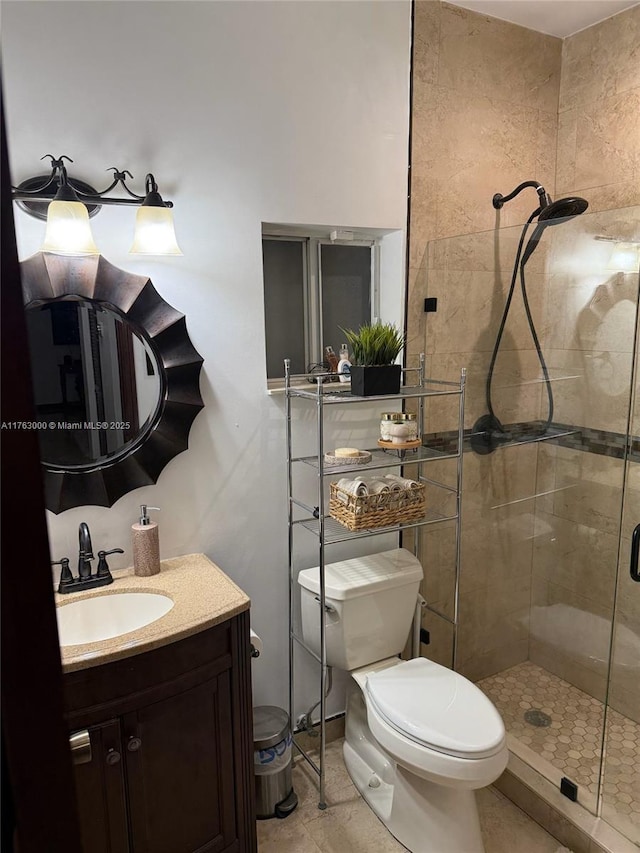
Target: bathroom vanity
(160, 721)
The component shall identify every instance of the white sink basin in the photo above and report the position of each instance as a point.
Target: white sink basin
(109, 615)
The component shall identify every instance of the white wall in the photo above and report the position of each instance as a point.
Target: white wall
(245, 112)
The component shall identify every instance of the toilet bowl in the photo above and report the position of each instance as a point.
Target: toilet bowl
(419, 738)
(418, 766)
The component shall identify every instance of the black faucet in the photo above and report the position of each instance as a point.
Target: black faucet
(86, 552)
(85, 579)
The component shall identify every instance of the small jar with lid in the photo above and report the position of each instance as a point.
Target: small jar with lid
(387, 420)
(409, 419)
(400, 432)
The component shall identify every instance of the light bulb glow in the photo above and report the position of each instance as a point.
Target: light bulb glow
(154, 234)
(68, 230)
(625, 257)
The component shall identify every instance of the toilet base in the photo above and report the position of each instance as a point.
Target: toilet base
(422, 815)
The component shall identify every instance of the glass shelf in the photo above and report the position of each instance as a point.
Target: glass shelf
(522, 437)
(331, 393)
(335, 532)
(380, 459)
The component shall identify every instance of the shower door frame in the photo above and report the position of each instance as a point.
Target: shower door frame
(623, 566)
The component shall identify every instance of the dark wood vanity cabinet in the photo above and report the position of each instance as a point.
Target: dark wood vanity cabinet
(171, 757)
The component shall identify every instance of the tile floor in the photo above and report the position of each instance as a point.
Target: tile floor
(349, 826)
(572, 741)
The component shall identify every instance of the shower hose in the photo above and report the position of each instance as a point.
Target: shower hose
(495, 421)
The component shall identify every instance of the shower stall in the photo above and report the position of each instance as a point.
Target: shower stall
(548, 616)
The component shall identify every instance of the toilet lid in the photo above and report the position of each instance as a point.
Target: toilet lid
(437, 708)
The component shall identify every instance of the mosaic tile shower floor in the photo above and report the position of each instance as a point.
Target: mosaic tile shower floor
(572, 740)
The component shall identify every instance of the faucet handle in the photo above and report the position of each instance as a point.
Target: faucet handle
(103, 568)
(66, 578)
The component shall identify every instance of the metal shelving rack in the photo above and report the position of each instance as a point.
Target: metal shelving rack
(329, 532)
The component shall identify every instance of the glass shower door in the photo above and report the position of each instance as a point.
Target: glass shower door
(620, 790)
(542, 514)
(540, 581)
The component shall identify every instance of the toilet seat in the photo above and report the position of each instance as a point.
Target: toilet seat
(435, 708)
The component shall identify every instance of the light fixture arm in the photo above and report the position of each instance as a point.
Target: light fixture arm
(43, 189)
(51, 182)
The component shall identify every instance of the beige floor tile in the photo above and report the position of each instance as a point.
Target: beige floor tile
(280, 836)
(349, 826)
(507, 829)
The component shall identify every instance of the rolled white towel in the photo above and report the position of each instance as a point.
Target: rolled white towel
(401, 482)
(379, 487)
(393, 486)
(358, 488)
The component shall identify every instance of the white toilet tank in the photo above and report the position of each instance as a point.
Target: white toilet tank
(372, 601)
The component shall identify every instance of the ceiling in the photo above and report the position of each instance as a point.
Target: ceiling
(555, 17)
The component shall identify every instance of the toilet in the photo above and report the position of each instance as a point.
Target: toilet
(419, 738)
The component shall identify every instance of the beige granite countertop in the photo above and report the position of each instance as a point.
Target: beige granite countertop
(203, 596)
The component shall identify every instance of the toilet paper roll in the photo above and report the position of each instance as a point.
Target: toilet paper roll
(256, 644)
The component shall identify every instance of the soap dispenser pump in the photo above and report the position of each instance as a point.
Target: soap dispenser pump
(146, 544)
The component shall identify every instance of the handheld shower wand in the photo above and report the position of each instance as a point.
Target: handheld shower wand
(488, 432)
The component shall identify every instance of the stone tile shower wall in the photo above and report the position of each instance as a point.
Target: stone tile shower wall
(599, 114)
(493, 104)
(485, 104)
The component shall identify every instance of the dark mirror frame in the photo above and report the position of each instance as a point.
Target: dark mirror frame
(47, 277)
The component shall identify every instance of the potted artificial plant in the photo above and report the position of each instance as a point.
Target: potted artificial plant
(374, 348)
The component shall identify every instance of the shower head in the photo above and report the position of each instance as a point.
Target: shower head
(559, 211)
(554, 213)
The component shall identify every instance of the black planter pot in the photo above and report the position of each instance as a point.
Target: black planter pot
(369, 381)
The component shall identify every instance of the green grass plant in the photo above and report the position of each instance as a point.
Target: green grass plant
(374, 344)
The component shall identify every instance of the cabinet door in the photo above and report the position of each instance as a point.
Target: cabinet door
(100, 791)
(180, 774)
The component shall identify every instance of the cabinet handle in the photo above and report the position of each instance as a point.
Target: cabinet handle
(113, 757)
(80, 745)
(134, 744)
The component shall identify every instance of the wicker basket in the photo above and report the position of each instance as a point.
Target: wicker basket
(379, 510)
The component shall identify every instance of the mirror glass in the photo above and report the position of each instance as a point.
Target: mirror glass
(97, 382)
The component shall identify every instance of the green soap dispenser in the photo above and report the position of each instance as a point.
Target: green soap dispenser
(146, 544)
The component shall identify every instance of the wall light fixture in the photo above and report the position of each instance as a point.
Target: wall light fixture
(70, 202)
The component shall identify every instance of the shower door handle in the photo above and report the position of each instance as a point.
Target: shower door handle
(635, 552)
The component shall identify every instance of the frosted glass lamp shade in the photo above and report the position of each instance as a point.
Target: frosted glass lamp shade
(154, 234)
(68, 230)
